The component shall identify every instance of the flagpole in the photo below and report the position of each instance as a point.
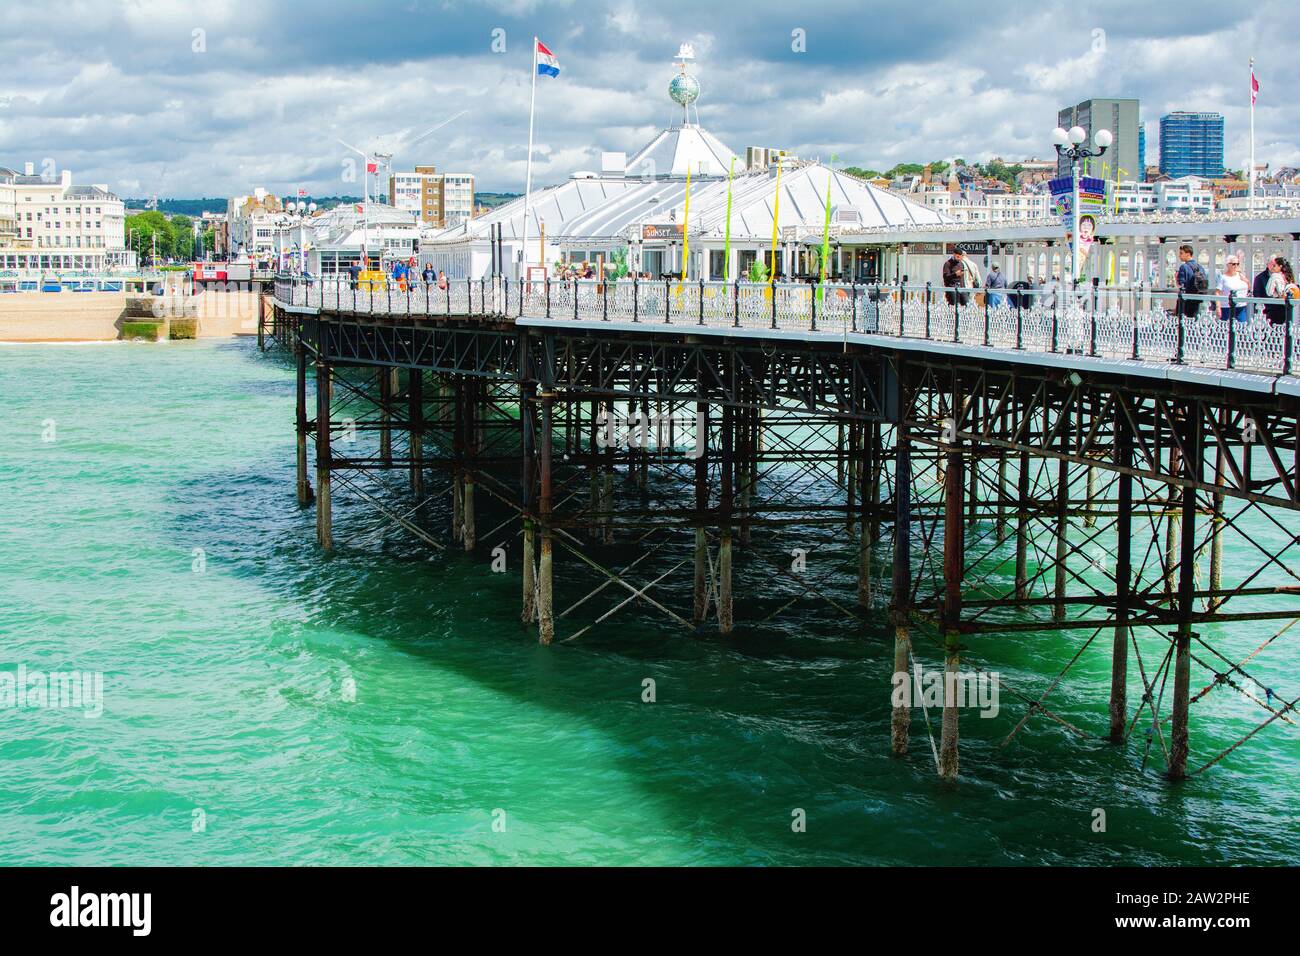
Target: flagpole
(726, 255)
(1252, 134)
(528, 182)
(826, 235)
(776, 218)
(686, 234)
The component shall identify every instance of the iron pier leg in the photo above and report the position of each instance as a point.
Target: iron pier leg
(701, 609)
(900, 600)
(324, 518)
(387, 385)
(1022, 527)
(1123, 579)
(1186, 588)
(953, 565)
(725, 618)
(528, 394)
(304, 485)
(545, 607)
(415, 412)
(470, 394)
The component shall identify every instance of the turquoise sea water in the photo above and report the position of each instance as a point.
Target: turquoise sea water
(226, 691)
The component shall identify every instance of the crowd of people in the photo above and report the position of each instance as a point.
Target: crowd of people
(1276, 281)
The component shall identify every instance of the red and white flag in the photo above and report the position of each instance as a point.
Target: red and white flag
(361, 208)
(547, 63)
(1254, 86)
(372, 166)
(301, 192)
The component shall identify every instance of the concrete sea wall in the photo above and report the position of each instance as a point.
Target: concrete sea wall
(98, 316)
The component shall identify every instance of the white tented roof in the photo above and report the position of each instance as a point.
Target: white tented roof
(678, 149)
(615, 206)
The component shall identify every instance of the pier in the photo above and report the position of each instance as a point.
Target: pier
(1114, 462)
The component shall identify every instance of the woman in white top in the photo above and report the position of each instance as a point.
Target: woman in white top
(1232, 282)
(1280, 281)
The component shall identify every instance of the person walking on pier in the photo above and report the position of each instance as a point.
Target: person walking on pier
(428, 275)
(1232, 286)
(442, 280)
(997, 282)
(1275, 313)
(1282, 285)
(1192, 280)
(954, 279)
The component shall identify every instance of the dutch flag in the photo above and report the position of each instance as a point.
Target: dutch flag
(547, 64)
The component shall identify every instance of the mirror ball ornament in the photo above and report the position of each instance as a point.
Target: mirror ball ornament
(684, 89)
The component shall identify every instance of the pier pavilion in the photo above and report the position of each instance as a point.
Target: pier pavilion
(638, 209)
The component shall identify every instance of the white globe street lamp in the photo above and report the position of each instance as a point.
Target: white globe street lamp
(1076, 151)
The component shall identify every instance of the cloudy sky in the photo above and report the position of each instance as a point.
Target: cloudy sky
(214, 98)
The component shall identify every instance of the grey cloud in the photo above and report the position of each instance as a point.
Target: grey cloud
(121, 97)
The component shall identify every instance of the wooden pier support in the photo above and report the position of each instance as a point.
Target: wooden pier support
(324, 516)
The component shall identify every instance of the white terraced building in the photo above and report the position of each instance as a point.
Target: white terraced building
(637, 208)
(59, 227)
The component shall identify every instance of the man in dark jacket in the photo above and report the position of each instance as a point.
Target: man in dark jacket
(1259, 290)
(954, 279)
(1191, 281)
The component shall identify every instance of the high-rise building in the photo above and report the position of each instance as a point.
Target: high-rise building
(1142, 151)
(1118, 116)
(1191, 144)
(438, 199)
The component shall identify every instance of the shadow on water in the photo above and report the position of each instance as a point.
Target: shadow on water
(790, 714)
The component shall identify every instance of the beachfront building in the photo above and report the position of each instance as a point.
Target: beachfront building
(438, 199)
(252, 222)
(632, 215)
(1269, 198)
(330, 242)
(979, 206)
(57, 226)
(8, 222)
(1188, 194)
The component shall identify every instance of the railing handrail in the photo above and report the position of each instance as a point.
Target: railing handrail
(1130, 323)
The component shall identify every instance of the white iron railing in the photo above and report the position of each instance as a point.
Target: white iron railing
(1116, 324)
